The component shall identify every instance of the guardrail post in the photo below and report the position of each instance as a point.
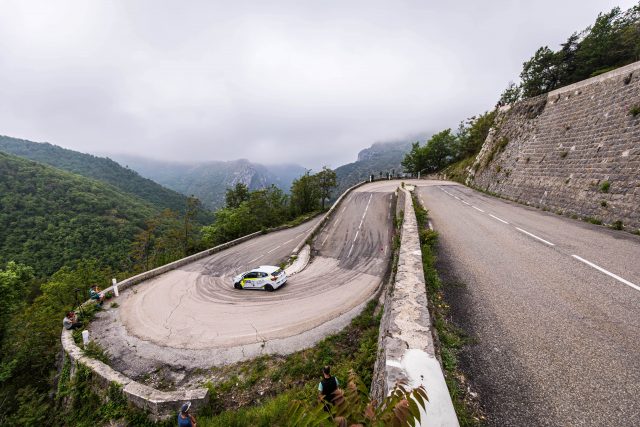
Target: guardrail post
(85, 337)
(115, 287)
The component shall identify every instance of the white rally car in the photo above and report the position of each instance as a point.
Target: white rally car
(267, 277)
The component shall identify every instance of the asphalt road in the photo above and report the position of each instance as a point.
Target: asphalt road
(553, 305)
(193, 317)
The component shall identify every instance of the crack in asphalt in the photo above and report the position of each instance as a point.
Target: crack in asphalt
(173, 311)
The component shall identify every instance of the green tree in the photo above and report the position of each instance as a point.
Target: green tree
(472, 133)
(414, 161)
(192, 207)
(262, 209)
(15, 283)
(305, 194)
(540, 73)
(236, 195)
(611, 42)
(439, 150)
(511, 94)
(326, 182)
(32, 341)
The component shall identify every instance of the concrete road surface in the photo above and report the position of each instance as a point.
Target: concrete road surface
(193, 317)
(553, 304)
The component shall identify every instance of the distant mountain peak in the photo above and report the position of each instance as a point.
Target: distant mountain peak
(378, 149)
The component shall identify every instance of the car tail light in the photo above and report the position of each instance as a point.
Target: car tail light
(274, 278)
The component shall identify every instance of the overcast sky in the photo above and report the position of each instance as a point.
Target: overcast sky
(296, 81)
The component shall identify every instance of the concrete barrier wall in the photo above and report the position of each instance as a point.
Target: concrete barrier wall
(406, 351)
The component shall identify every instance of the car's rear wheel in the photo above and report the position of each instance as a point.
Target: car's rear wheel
(237, 285)
(268, 288)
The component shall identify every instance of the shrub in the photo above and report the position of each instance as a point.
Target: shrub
(617, 225)
(635, 110)
(604, 187)
(564, 154)
(95, 351)
(603, 203)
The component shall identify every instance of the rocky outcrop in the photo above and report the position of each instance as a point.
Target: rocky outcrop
(575, 150)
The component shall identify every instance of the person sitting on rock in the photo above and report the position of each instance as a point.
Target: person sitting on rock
(70, 321)
(96, 295)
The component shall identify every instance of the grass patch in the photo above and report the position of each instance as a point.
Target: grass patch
(635, 111)
(592, 220)
(451, 338)
(617, 225)
(564, 154)
(96, 351)
(604, 187)
(458, 171)
(604, 203)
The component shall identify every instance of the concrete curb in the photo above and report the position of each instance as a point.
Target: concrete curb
(301, 262)
(407, 352)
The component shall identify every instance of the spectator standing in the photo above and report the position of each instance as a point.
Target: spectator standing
(327, 388)
(185, 419)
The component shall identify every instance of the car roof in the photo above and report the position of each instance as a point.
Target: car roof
(267, 269)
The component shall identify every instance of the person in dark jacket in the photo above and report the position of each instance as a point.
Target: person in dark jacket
(327, 388)
(185, 419)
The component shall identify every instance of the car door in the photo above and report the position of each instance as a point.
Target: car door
(250, 280)
(264, 278)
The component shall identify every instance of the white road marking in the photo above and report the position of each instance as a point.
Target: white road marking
(456, 197)
(478, 209)
(466, 203)
(535, 237)
(608, 273)
(359, 226)
(277, 247)
(499, 219)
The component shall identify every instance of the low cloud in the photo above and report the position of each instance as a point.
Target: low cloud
(286, 82)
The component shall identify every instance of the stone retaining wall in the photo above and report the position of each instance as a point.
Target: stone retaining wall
(158, 404)
(575, 150)
(406, 351)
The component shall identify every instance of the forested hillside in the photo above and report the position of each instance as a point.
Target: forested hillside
(379, 159)
(208, 181)
(49, 218)
(99, 168)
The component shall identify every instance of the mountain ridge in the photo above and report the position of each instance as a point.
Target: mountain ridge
(102, 169)
(209, 180)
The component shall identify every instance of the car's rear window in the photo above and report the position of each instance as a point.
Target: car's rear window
(277, 272)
